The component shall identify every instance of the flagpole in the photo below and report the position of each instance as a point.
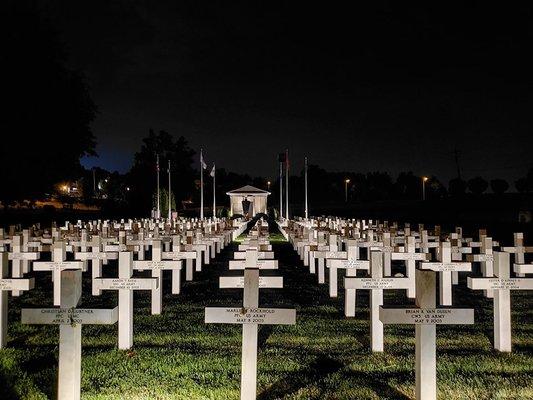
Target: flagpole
(287, 184)
(201, 185)
(169, 195)
(214, 194)
(281, 190)
(305, 180)
(158, 203)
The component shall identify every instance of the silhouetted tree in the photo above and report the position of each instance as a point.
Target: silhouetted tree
(142, 177)
(477, 185)
(435, 189)
(47, 109)
(521, 185)
(499, 186)
(456, 187)
(409, 186)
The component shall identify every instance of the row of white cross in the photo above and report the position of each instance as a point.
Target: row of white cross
(250, 315)
(67, 279)
(322, 246)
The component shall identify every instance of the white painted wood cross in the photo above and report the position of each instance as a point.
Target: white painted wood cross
(57, 265)
(519, 251)
(188, 255)
(157, 265)
(410, 257)
(376, 284)
(351, 264)
(19, 258)
(445, 267)
(125, 284)
(9, 284)
(501, 285)
(97, 258)
(486, 259)
(425, 318)
(250, 315)
(321, 257)
(70, 320)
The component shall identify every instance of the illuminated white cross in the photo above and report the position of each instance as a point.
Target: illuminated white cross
(376, 284)
(250, 315)
(8, 284)
(125, 284)
(57, 265)
(445, 267)
(157, 265)
(70, 320)
(501, 286)
(425, 318)
(19, 259)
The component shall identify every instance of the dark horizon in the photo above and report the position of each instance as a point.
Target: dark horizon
(385, 87)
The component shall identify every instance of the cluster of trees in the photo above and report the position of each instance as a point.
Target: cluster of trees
(325, 186)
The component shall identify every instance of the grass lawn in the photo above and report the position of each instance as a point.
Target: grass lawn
(324, 356)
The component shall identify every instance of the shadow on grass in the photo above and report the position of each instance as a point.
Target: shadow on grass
(7, 392)
(318, 370)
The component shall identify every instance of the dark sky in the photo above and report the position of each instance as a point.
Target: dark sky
(388, 86)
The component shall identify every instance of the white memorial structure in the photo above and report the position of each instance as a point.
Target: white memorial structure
(256, 197)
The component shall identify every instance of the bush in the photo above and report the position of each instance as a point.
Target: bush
(499, 186)
(477, 185)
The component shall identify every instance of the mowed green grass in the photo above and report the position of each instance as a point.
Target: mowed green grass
(324, 356)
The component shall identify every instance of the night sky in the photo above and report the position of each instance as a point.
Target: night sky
(390, 86)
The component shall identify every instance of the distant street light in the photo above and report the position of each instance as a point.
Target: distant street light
(424, 180)
(268, 185)
(346, 182)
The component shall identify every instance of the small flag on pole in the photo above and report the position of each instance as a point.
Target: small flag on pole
(212, 173)
(202, 162)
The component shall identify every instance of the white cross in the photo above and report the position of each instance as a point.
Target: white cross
(519, 251)
(410, 257)
(250, 315)
(8, 284)
(501, 286)
(376, 284)
(97, 257)
(19, 260)
(351, 263)
(156, 265)
(486, 259)
(57, 265)
(425, 318)
(70, 320)
(445, 267)
(125, 284)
